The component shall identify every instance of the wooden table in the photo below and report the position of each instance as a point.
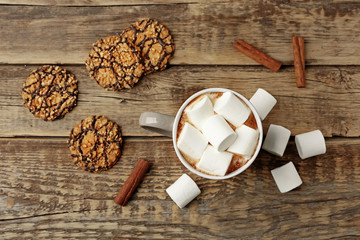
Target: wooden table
(44, 195)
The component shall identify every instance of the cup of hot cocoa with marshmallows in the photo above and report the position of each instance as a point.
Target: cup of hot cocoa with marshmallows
(217, 133)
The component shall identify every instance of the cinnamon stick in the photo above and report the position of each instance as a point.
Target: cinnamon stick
(132, 182)
(299, 60)
(257, 55)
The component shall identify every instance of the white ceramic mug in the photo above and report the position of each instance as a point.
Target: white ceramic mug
(168, 126)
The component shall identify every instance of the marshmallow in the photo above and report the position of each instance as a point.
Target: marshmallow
(232, 109)
(200, 111)
(276, 140)
(310, 144)
(214, 162)
(191, 142)
(245, 142)
(183, 191)
(286, 177)
(263, 102)
(218, 132)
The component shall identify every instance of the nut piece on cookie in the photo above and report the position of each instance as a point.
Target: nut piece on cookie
(155, 42)
(50, 92)
(115, 63)
(95, 144)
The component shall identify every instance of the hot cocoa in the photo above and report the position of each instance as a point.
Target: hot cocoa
(229, 127)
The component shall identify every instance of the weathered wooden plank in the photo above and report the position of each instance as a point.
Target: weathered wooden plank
(204, 33)
(95, 3)
(43, 194)
(112, 2)
(330, 102)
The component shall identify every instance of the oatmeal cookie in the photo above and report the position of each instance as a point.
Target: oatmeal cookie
(115, 63)
(155, 43)
(50, 92)
(95, 144)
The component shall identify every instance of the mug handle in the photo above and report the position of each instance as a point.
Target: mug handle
(157, 122)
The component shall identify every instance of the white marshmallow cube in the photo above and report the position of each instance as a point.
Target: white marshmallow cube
(245, 142)
(183, 191)
(310, 144)
(191, 142)
(200, 112)
(214, 162)
(286, 177)
(263, 102)
(232, 109)
(276, 140)
(218, 132)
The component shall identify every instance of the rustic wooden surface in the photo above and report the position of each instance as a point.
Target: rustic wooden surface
(204, 32)
(44, 196)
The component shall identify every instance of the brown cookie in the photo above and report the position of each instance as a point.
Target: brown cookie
(115, 63)
(95, 144)
(50, 92)
(155, 42)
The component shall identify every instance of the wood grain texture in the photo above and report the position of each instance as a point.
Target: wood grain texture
(42, 194)
(204, 33)
(96, 3)
(330, 102)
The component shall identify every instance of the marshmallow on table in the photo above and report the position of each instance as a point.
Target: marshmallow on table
(263, 102)
(218, 132)
(276, 140)
(245, 142)
(183, 191)
(200, 111)
(214, 162)
(286, 177)
(191, 142)
(232, 109)
(310, 144)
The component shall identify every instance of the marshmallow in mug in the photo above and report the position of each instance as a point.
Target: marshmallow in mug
(218, 132)
(192, 142)
(200, 111)
(214, 162)
(232, 109)
(245, 142)
(183, 190)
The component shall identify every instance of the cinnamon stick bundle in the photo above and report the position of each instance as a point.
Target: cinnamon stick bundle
(132, 182)
(299, 60)
(257, 55)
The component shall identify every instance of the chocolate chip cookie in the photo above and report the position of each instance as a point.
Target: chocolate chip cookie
(155, 42)
(50, 92)
(115, 63)
(95, 144)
